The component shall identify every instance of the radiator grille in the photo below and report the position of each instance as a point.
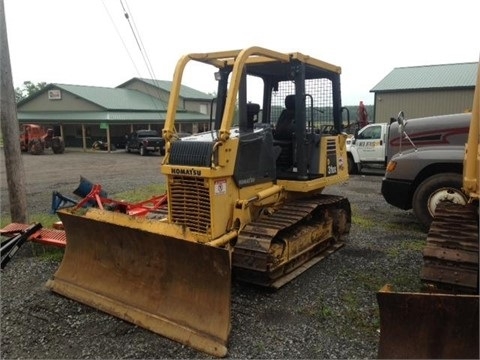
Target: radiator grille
(190, 203)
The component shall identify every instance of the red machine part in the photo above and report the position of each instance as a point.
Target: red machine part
(43, 236)
(56, 237)
(137, 209)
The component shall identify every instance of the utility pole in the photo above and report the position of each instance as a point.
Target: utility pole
(10, 131)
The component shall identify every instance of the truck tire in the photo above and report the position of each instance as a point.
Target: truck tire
(36, 147)
(436, 188)
(143, 151)
(58, 145)
(352, 167)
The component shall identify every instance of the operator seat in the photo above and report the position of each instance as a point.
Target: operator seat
(286, 122)
(284, 132)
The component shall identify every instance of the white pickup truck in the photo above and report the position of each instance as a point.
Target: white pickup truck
(368, 148)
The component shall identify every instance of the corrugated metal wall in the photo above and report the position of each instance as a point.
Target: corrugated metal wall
(421, 103)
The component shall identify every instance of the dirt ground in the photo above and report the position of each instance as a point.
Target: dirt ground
(330, 311)
(116, 171)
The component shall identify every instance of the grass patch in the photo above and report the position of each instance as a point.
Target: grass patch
(141, 194)
(404, 226)
(366, 322)
(407, 282)
(49, 253)
(400, 280)
(371, 282)
(415, 245)
(47, 220)
(363, 222)
(318, 310)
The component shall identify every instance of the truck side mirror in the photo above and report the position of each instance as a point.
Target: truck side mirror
(401, 119)
(401, 122)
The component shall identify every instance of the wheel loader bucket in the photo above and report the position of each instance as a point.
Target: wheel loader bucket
(147, 273)
(427, 325)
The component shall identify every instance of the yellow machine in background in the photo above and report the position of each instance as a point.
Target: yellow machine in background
(245, 196)
(442, 322)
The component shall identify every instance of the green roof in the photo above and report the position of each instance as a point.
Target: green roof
(461, 75)
(185, 91)
(112, 117)
(106, 98)
(115, 98)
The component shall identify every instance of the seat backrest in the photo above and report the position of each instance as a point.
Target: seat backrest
(290, 102)
(285, 124)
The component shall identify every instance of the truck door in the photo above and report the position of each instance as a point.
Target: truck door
(370, 144)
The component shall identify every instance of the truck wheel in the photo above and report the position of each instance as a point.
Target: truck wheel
(436, 188)
(352, 167)
(36, 147)
(58, 145)
(143, 151)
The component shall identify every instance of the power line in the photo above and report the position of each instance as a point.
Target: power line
(121, 38)
(139, 43)
(138, 39)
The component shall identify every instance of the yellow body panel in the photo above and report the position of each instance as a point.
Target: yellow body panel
(471, 164)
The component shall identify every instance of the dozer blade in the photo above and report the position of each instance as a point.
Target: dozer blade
(145, 272)
(427, 325)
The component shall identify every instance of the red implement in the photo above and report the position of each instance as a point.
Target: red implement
(43, 236)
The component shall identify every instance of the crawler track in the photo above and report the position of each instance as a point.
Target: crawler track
(451, 254)
(277, 247)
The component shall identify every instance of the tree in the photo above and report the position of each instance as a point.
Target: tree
(10, 131)
(28, 89)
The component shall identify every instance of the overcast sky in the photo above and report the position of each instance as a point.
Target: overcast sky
(89, 42)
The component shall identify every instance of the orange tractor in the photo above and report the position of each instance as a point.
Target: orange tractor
(35, 139)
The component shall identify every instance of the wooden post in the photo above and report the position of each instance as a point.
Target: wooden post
(10, 131)
(84, 138)
(108, 139)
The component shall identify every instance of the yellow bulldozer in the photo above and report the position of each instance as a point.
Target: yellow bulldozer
(442, 321)
(245, 201)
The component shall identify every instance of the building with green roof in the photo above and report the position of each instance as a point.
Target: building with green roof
(421, 91)
(84, 114)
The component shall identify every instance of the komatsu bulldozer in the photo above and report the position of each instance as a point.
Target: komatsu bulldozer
(442, 321)
(245, 200)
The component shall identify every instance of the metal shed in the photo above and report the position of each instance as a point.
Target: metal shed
(422, 91)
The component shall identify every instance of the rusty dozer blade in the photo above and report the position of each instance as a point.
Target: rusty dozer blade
(144, 271)
(427, 325)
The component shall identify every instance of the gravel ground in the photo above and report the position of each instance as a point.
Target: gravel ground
(329, 312)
